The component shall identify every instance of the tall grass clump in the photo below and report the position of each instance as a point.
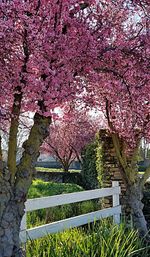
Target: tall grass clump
(102, 239)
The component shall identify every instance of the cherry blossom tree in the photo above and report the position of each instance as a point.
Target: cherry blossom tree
(121, 92)
(45, 49)
(68, 137)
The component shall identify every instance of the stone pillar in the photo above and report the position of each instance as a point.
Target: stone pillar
(111, 173)
(110, 167)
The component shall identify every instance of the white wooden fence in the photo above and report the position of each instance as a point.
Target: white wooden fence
(46, 202)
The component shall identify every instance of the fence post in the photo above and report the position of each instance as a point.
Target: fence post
(116, 202)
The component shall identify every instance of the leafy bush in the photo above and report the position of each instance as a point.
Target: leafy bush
(88, 171)
(100, 240)
(92, 164)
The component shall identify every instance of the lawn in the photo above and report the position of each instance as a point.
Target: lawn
(41, 188)
(55, 170)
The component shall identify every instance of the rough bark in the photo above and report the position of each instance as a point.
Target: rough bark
(13, 196)
(11, 212)
(134, 200)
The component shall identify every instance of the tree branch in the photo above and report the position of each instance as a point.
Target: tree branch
(12, 143)
(77, 155)
(16, 109)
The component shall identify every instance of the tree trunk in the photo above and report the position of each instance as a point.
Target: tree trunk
(134, 200)
(65, 168)
(134, 185)
(11, 212)
(65, 165)
(13, 195)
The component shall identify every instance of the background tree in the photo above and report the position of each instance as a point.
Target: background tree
(68, 136)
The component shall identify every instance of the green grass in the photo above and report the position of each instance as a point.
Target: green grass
(55, 170)
(41, 188)
(141, 172)
(104, 239)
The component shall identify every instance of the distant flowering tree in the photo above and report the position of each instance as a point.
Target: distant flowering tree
(69, 136)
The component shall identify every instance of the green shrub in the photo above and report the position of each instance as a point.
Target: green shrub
(92, 164)
(99, 161)
(88, 171)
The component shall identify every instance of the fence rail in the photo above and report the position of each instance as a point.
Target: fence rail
(46, 202)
